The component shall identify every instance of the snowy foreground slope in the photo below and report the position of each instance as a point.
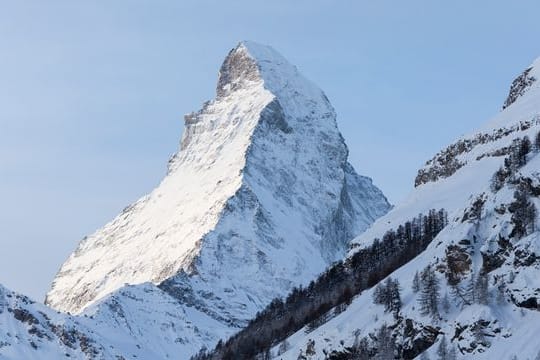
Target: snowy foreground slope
(485, 263)
(260, 198)
(139, 322)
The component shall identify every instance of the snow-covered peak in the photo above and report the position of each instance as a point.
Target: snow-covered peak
(259, 198)
(251, 64)
(239, 70)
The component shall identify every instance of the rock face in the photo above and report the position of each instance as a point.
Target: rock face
(519, 86)
(485, 261)
(259, 198)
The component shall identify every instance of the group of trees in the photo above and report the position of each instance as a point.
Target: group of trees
(444, 351)
(388, 294)
(428, 287)
(523, 212)
(334, 288)
(522, 209)
(379, 345)
(476, 291)
(517, 158)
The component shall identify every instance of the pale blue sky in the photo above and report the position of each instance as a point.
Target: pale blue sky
(92, 95)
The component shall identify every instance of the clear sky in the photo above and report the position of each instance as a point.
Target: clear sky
(92, 95)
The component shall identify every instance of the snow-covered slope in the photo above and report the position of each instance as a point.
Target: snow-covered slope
(139, 321)
(259, 198)
(489, 183)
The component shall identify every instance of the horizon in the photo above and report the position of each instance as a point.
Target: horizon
(93, 105)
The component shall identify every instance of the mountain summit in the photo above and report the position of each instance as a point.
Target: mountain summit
(259, 198)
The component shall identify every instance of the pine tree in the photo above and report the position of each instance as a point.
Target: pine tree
(452, 355)
(523, 213)
(361, 349)
(395, 298)
(283, 347)
(470, 290)
(429, 293)
(385, 344)
(442, 350)
(511, 276)
(388, 294)
(379, 295)
(498, 179)
(416, 282)
(265, 355)
(445, 303)
(478, 334)
(481, 289)
(459, 295)
(537, 144)
(524, 149)
(501, 290)
(310, 348)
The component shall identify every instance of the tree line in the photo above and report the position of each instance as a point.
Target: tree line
(334, 289)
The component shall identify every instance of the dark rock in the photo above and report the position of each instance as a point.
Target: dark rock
(459, 263)
(530, 303)
(25, 316)
(519, 86)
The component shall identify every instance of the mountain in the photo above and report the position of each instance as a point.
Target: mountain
(260, 198)
(460, 280)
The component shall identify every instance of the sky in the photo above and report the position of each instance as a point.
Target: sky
(93, 94)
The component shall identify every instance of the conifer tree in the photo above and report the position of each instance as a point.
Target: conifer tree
(416, 282)
(442, 350)
(452, 355)
(385, 344)
(537, 142)
(481, 289)
(283, 347)
(445, 303)
(395, 298)
(429, 293)
(501, 289)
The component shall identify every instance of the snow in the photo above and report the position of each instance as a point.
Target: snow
(259, 198)
(137, 322)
